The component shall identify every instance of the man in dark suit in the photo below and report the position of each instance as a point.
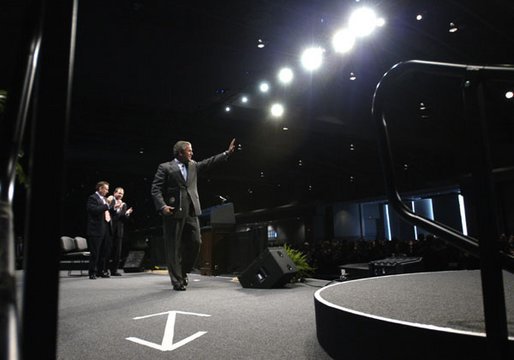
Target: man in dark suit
(175, 195)
(99, 230)
(119, 216)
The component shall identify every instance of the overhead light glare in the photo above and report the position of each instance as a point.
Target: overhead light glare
(509, 94)
(285, 75)
(312, 58)
(363, 21)
(343, 41)
(277, 110)
(264, 87)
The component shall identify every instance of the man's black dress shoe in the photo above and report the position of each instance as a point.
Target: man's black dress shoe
(104, 274)
(115, 274)
(179, 287)
(92, 277)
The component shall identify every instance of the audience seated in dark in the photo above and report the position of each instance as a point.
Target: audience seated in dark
(327, 256)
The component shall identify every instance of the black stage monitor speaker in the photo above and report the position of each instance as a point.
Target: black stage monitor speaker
(134, 262)
(272, 268)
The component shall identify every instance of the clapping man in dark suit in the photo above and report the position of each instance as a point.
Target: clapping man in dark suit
(119, 216)
(99, 230)
(175, 195)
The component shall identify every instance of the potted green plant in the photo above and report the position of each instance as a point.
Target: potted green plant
(303, 268)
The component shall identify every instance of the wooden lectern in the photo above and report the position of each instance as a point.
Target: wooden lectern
(218, 223)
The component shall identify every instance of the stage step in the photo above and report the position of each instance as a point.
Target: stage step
(437, 315)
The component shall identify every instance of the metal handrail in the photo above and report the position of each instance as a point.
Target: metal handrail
(464, 242)
(45, 59)
(491, 275)
(12, 130)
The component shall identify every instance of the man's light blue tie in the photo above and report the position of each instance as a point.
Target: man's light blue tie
(183, 170)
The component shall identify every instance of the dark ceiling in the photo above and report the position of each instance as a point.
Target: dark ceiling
(151, 72)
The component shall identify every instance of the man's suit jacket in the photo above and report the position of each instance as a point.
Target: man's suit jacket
(170, 188)
(118, 221)
(96, 224)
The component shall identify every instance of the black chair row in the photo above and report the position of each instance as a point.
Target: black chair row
(74, 251)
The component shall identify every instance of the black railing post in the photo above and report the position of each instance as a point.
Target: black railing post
(486, 219)
(12, 130)
(50, 109)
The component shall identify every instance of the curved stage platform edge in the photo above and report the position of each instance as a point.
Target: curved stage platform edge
(437, 315)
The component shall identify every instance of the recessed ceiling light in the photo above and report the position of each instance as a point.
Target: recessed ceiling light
(453, 28)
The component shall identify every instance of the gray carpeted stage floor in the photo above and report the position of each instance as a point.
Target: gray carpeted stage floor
(138, 316)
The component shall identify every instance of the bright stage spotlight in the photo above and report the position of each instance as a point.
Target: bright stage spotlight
(363, 21)
(312, 58)
(277, 110)
(285, 75)
(343, 41)
(264, 87)
(244, 99)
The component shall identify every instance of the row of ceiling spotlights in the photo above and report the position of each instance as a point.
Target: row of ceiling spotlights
(362, 22)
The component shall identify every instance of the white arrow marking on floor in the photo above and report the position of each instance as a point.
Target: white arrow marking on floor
(169, 331)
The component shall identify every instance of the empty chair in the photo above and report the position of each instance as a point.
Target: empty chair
(81, 252)
(74, 251)
(67, 244)
(81, 243)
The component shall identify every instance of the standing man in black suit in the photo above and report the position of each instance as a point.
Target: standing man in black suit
(119, 216)
(99, 230)
(175, 195)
